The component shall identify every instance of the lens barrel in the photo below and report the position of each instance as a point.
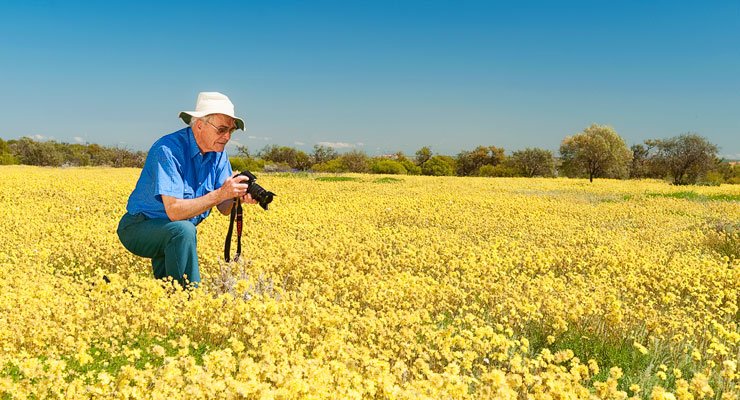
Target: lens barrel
(258, 193)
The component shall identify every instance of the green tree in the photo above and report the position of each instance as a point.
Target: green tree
(356, 161)
(4, 147)
(469, 162)
(685, 157)
(294, 158)
(6, 157)
(423, 155)
(242, 151)
(411, 167)
(533, 162)
(439, 166)
(322, 154)
(596, 152)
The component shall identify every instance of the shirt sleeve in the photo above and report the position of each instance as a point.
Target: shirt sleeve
(167, 177)
(223, 171)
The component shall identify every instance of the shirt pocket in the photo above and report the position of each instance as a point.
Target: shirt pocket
(208, 186)
(188, 192)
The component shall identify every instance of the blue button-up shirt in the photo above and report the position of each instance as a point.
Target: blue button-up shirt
(175, 167)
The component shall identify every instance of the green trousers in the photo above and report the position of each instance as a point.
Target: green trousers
(170, 244)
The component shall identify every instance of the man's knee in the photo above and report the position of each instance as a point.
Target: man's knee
(182, 230)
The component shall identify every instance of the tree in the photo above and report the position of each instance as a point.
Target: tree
(356, 161)
(640, 158)
(439, 166)
(242, 151)
(296, 159)
(685, 157)
(596, 152)
(533, 162)
(322, 154)
(423, 155)
(469, 162)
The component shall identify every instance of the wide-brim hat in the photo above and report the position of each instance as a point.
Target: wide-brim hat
(212, 103)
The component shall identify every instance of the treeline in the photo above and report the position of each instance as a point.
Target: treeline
(596, 152)
(54, 154)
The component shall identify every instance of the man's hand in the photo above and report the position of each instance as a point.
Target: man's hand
(235, 186)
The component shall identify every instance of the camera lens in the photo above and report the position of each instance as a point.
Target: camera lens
(262, 196)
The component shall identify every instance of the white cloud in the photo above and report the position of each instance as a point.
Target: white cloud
(257, 137)
(730, 156)
(299, 143)
(337, 145)
(79, 139)
(39, 137)
(360, 144)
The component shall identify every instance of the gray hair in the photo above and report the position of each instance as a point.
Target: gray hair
(205, 118)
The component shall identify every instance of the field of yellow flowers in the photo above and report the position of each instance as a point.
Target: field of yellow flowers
(364, 286)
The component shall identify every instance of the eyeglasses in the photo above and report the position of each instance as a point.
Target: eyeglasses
(221, 130)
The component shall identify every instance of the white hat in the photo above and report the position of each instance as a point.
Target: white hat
(212, 103)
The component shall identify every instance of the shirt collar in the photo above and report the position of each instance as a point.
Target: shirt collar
(193, 149)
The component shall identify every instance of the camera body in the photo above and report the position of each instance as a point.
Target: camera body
(258, 193)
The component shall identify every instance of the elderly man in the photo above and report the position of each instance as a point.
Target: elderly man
(186, 173)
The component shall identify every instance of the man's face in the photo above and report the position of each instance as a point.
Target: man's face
(213, 132)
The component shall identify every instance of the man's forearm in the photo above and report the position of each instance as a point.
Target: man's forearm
(181, 209)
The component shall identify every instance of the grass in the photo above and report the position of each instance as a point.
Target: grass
(693, 196)
(387, 180)
(103, 361)
(607, 353)
(337, 179)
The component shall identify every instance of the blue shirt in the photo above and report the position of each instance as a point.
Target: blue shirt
(175, 167)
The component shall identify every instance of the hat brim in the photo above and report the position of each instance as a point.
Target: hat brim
(187, 116)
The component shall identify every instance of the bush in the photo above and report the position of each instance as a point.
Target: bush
(336, 165)
(713, 178)
(497, 171)
(439, 166)
(723, 237)
(247, 164)
(411, 168)
(388, 167)
(237, 164)
(356, 161)
(8, 159)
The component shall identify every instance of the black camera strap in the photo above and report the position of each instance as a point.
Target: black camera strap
(236, 214)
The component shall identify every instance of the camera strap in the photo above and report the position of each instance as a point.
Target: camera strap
(236, 214)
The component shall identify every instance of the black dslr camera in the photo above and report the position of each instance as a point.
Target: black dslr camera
(258, 193)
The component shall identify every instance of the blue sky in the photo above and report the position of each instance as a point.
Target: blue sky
(379, 76)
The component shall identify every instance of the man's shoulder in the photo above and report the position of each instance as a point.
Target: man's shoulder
(174, 143)
(174, 139)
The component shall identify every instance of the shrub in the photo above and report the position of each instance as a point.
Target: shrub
(8, 159)
(724, 238)
(237, 164)
(439, 166)
(411, 168)
(388, 167)
(336, 165)
(497, 171)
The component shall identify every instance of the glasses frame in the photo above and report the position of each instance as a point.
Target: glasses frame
(222, 130)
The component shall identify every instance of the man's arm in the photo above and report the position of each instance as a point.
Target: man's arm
(181, 209)
(222, 198)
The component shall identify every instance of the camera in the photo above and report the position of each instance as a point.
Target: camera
(258, 193)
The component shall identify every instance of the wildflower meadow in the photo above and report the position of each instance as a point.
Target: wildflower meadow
(368, 286)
